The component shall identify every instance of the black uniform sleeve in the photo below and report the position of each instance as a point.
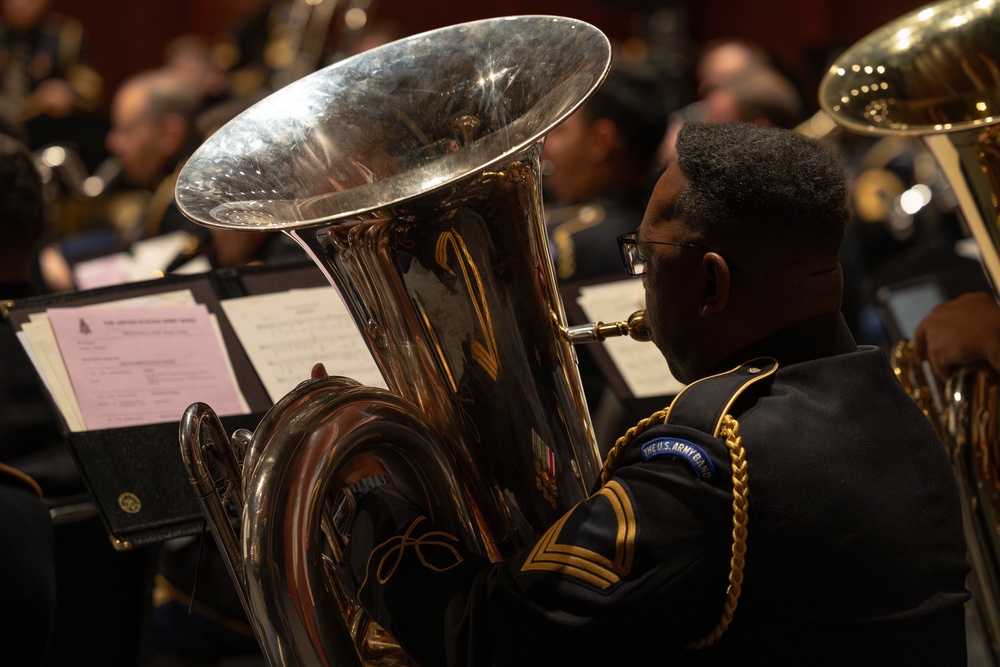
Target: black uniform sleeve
(657, 534)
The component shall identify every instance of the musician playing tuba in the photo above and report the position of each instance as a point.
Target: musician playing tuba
(792, 506)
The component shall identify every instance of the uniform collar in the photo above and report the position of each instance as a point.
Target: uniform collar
(823, 336)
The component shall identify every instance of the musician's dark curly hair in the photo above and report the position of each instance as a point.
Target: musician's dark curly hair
(761, 184)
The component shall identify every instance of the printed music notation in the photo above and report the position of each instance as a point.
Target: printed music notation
(641, 365)
(285, 334)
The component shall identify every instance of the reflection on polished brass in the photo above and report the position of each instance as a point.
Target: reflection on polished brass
(935, 73)
(411, 174)
(967, 422)
(451, 249)
(934, 69)
(921, 386)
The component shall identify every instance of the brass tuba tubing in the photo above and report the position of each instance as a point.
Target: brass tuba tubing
(285, 529)
(201, 436)
(411, 174)
(634, 327)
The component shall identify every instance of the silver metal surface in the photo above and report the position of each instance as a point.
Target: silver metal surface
(411, 174)
(379, 128)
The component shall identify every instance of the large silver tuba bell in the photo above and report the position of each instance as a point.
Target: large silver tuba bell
(935, 73)
(411, 175)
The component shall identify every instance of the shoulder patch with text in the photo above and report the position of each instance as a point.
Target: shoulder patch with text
(684, 450)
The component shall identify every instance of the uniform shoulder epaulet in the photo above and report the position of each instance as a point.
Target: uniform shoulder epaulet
(566, 222)
(703, 404)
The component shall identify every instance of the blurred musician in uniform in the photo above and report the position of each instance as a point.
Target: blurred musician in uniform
(600, 167)
(599, 170)
(152, 133)
(27, 427)
(44, 72)
(793, 506)
(738, 81)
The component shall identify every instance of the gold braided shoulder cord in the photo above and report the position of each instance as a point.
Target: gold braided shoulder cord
(737, 455)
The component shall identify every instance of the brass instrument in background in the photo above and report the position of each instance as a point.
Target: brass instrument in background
(315, 33)
(411, 174)
(935, 73)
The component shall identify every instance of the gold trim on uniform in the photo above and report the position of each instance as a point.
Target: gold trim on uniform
(573, 561)
(23, 478)
(583, 217)
(397, 544)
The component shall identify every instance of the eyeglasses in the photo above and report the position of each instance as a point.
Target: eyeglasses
(632, 259)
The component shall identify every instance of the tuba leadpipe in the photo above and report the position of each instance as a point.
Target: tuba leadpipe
(595, 332)
(411, 175)
(934, 73)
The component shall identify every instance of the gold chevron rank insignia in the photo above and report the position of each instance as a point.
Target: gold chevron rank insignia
(599, 543)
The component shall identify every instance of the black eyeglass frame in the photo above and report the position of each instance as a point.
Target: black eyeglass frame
(628, 248)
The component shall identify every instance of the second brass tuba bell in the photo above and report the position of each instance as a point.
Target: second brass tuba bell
(411, 174)
(934, 73)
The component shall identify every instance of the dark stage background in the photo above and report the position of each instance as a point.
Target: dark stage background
(127, 36)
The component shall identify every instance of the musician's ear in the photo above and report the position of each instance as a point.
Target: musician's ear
(716, 280)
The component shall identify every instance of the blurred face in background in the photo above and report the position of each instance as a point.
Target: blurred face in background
(23, 14)
(137, 138)
(567, 158)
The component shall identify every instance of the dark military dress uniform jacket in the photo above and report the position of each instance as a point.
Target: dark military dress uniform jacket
(583, 238)
(854, 551)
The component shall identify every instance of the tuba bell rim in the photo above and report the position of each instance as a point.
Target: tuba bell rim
(203, 191)
(846, 91)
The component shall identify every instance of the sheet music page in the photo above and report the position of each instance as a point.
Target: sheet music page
(145, 259)
(40, 344)
(142, 365)
(641, 364)
(286, 333)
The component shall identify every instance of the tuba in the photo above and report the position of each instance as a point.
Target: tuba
(411, 175)
(935, 74)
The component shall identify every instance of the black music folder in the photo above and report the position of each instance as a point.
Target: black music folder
(135, 473)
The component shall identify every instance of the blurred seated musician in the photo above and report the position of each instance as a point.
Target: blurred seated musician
(43, 70)
(760, 95)
(30, 439)
(738, 81)
(961, 332)
(27, 429)
(792, 507)
(152, 133)
(600, 167)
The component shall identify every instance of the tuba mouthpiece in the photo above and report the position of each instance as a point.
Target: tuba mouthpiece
(634, 327)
